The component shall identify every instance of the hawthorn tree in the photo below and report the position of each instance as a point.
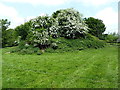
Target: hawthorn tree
(68, 23)
(39, 34)
(96, 26)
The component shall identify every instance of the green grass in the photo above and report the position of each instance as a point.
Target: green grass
(90, 68)
(0, 68)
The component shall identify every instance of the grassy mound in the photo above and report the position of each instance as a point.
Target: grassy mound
(64, 45)
(61, 45)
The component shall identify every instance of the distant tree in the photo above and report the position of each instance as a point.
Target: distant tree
(112, 37)
(96, 26)
(23, 30)
(4, 23)
(68, 23)
(10, 37)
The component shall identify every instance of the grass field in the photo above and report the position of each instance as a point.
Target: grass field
(90, 68)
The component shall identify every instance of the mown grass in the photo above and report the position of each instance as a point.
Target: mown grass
(90, 68)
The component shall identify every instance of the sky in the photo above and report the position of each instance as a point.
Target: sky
(20, 11)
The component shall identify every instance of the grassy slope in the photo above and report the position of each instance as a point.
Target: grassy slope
(91, 68)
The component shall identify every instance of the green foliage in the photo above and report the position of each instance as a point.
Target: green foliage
(111, 38)
(40, 39)
(26, 49)
(23, 30)
(68, 23)
(4, 23)
(39, 52)
(54, 45)
(96, 26)
(10, 37)
(64, 45)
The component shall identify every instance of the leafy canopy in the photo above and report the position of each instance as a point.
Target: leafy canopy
(96, 26)
(23, 30)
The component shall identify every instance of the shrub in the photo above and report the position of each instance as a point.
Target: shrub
(65, 45)
(25, 49)
(54, 45)
(111, 38)
(39, 52)
(16, 49)
(22, 45)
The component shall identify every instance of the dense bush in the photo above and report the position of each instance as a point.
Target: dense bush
(111, 38)
(64, 45)
(24, 48)
(10, 37)
(23, 30)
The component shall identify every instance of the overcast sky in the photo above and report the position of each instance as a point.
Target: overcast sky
(18, 11)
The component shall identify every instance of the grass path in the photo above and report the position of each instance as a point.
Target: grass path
(91, 68)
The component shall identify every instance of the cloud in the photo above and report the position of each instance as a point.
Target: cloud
(60, 2)
(95, 2)
(10, 13)
(109, 17)
(7, 11)
(32, 17)
(39, 2)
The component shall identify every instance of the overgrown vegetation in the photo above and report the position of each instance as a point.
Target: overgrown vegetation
(64, 30)
(65, 45)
